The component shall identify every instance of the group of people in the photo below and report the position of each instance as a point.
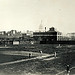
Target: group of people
(55, 54)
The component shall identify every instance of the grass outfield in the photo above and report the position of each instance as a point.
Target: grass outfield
(8, 58)
(41, 67)
(46, 48)
(34, 67)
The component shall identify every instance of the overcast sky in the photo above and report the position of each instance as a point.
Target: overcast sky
(25, 15)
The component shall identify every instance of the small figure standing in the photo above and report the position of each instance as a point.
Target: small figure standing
(29, 55)
(5, 45)
(55, 54)
(40, 53)
(68, 68)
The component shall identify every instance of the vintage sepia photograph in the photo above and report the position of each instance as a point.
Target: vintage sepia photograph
(37, 37)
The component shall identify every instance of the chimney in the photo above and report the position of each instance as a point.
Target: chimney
(45, 29)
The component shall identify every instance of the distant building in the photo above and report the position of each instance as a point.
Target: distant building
(16, 42)
(41, 27)
(47, 36)
(14, 34)
(9, 37)
(59, 36)
(29, 33)
(2, 32)
(71, 36)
